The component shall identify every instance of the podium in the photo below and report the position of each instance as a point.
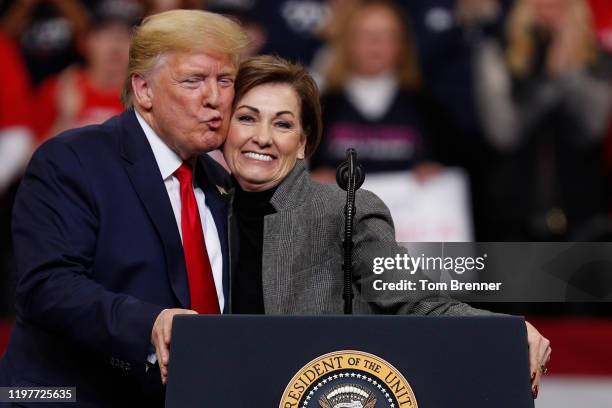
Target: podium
(348, 362)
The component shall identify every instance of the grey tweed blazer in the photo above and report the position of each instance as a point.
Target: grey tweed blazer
(302, 251)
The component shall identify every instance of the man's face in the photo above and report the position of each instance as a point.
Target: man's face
(191, 95)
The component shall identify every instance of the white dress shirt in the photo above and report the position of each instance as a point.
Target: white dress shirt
(168, 162)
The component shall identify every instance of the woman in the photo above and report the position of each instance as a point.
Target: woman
(544, 97)
(286, 230)
(373, 97)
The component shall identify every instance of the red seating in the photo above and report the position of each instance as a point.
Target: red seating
(5, 331)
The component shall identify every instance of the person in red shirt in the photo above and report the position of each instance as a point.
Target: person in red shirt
(89, 94)
(602, 14)
(15, 149)
(15, 132)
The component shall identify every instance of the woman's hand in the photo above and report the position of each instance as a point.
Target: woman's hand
(539, 356)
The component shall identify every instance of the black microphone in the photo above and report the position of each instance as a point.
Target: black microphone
(343, 171)
(349, 176)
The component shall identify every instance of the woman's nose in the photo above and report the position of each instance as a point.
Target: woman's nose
(262, 136)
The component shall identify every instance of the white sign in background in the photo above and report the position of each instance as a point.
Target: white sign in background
(437, 210)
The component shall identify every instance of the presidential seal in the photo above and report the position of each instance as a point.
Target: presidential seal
(348, 379)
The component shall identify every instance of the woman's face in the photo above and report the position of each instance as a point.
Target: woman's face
(375, 42)
(265, 137)
(549, 14)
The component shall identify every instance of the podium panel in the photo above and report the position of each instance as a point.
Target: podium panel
(349, 362)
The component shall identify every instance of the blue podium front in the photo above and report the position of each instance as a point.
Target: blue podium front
(348, 362)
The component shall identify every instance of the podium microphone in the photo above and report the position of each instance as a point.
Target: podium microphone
(349, 176)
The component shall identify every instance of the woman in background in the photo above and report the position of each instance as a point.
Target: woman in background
(545, 106)
(373, 99)
(286, 230)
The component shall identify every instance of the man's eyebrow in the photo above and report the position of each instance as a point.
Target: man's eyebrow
(189, 73)
(228, 72)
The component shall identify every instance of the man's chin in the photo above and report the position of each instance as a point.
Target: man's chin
(209, 142)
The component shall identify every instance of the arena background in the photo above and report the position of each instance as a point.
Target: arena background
(64, 62)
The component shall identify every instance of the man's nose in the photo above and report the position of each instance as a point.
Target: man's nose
(211, 93)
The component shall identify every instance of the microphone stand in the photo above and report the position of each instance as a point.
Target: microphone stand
(350, 177)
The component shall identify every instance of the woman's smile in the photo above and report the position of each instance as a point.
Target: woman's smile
(265, 137)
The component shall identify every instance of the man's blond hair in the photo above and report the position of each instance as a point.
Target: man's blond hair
(180, 30)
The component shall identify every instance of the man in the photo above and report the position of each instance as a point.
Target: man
(111, 235)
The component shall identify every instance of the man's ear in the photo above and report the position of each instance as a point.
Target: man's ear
(141, 87)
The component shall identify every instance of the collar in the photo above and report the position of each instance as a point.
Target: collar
(167, 159)
(292, 189)
(372, 95)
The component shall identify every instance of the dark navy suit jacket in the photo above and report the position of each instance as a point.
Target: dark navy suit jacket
(99, 256)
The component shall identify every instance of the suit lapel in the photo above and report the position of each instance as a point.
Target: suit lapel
(143, 171)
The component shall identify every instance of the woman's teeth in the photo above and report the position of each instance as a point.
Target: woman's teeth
(257, 156)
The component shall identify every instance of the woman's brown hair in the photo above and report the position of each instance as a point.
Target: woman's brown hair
(339, 69)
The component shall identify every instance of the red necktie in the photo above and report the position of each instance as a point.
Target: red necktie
(199, 272)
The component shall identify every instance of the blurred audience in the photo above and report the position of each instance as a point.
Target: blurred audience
(86, 94)
(292, 26)
(158, 6)
(372, 97)
(602, 13)
(16, 142)
(245, 13)
(444, 40)
(46, 31)
(545, 103)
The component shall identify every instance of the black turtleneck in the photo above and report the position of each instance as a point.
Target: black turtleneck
(249, 210)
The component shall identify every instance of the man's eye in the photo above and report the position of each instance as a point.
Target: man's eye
(191, 81)
(226, 82)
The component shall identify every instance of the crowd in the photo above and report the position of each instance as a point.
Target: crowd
(515, 92)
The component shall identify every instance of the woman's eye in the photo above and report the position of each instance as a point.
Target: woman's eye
(283, 124)
(246, 118)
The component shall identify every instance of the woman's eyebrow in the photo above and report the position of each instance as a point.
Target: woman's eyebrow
(283, 112)
(255, 110)
(248, 107)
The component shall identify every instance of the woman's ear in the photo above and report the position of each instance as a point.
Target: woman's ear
(302, 148)
(141, 87)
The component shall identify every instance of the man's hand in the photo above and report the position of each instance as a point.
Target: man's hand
(160, 337)
(539, 355)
